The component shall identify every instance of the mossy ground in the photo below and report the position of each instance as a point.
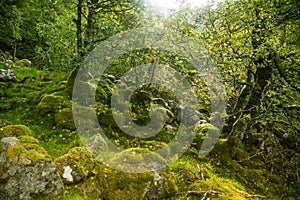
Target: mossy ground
(218, 172)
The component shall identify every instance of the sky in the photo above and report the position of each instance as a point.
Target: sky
(166, 7)
(174, 4)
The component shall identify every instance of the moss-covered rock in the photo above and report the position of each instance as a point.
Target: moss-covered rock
(23, 63)
(50, 104)
(76, 165)
(153, 146)
(202, 133)
(14, 131)
(114, 184)
(137, 160)
(26, 170)
(109, 183)
(27, 151)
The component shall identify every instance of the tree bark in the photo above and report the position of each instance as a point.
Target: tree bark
(79, 28)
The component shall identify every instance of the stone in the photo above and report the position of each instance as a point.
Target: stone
(78, 163)
(51, 103)
(7, 74)
(26, 170)
(24, 63)
(14, 131)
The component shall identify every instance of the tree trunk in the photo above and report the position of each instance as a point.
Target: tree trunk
(91, 20)
(79, 28)
(250, 99)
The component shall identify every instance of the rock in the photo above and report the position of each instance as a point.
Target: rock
(10, 62)
(159, 147)
(14, 130)
(78, 163)
(26, 170)
(67, 174)
(162, 186)
(50, 104)
(23, 63)
(114, 184)
(137, 160)
(7, 74)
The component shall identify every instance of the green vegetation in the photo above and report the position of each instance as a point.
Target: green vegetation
(254, 44)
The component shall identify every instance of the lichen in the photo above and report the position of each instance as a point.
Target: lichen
(14, 130)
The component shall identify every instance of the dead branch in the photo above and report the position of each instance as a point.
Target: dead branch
(209, 192)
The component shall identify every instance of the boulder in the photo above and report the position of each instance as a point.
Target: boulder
(14, 130)
(51, 103)
(109, 183)
(76, 165)
(26, 170)
(7, 74)
(24, 63)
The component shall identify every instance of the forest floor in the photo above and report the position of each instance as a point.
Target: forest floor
(216, 176)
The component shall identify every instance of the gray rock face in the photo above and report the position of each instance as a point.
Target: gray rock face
(28, 174)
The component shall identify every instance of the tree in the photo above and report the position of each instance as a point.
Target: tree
(255, 44)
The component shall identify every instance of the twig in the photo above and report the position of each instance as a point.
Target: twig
(254, 196)
(204, 196)
(258, 152)
(209, 192)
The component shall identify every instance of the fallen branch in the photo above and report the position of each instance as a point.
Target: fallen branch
(254, 196)
(209, 192)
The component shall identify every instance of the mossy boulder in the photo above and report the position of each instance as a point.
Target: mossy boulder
(76, 165)
(153, 145)
(14, 131)
(114, 184)
(137, 160)
(202, 133)
(109, 183)
(26, 170)
(50, 104)
(23, 63)
(162, 186)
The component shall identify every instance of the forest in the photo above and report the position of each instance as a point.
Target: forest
(147, 99)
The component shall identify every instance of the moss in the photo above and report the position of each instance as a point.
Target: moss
(27, 151)
(14, 130)
(114, 184)
(29, 139)
(80, 161)
(169, 184)
(162, 147)
(50, 104)
(64, 119)
(137, 160)
(227, 188)
(202, 133)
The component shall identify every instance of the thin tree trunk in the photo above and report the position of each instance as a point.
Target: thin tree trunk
(79, 27)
